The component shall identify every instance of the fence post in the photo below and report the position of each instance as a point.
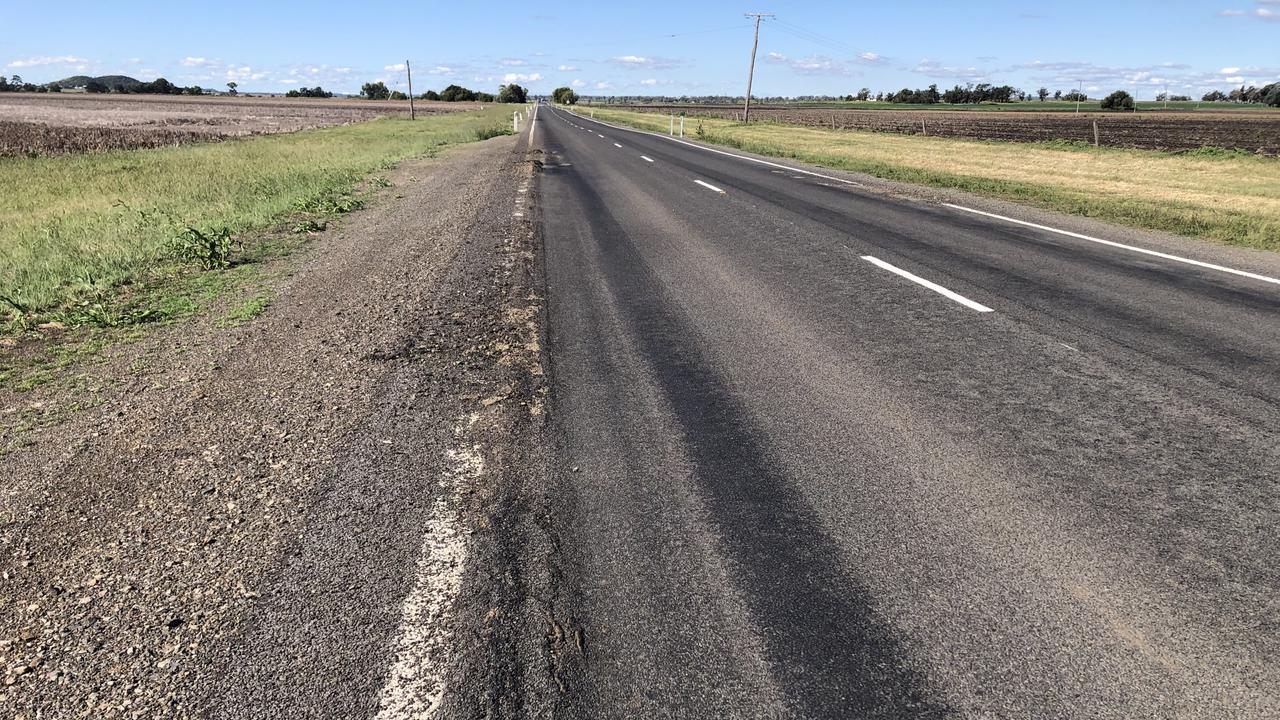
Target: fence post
(681, 126)
(924, 129)
(672, 130)
(515, 122)
(1095, 133)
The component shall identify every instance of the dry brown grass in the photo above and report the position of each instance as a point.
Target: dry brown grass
(58, 123)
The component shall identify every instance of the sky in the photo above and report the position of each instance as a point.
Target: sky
(654, 47)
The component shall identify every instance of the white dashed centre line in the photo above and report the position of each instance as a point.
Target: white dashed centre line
(932, 286)
(646, 158)
(709, 186)
(617, 145)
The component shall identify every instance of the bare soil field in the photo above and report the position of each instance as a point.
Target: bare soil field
(51, 124)
(1173, 131)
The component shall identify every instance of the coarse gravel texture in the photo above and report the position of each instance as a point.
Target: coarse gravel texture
(231, 532)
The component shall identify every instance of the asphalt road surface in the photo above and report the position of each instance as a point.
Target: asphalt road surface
(831, 450)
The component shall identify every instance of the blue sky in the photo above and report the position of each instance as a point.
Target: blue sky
(654, 47)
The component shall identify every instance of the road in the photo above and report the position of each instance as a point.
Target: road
(830, 450)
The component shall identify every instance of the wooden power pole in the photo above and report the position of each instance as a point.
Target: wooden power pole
(746, 111)
(409, 72)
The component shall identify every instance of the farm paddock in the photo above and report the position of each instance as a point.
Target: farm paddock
(58, 123)
(1254, 132)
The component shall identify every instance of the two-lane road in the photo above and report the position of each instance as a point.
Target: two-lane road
(831, 452)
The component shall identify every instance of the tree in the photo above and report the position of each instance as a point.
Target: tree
(16, 81)
(231, 88)
(564, 96)
(1043, 94)
(457, 93)
(1075, 96)
(93, 86)
(1057, 94)
(513, 93)
(483, 97)
(4, 84)
(864, 94)
(375, 90)
(1118, 100)
(1180, 98)
(1214, 96)
(431, 95)
(397, 95)
(195, 90)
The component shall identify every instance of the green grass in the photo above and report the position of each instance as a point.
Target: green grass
(1230, 197)
(246, 311)
(78, 232)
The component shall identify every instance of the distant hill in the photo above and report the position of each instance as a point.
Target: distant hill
(82, 80)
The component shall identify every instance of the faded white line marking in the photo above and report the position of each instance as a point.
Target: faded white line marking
(415, 683)
(617, 145)
(709, 186)
(931, 285)
(1144, 251)
(600, 135)
(646, 158)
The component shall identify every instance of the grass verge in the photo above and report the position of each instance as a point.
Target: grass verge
(1227, 197)
(97, 238)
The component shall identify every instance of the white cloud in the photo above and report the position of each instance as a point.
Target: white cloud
(871, 58)
(604, 85)
(811, 65)
(650, 81)
(398, 67)
(938, 70)
(511, 62)
(244, 72)
(521, 77)
(48, 60)
(1229, 70)
(578, 83)
(195, 62)
(566, 68)
(1261, 12)
(441, 70)
(640, 61)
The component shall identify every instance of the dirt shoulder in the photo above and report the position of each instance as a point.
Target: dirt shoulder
(235, 528)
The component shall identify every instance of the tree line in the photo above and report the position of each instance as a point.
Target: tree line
(511, 93)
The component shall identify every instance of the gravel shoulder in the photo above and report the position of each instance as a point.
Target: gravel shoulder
(235, 530)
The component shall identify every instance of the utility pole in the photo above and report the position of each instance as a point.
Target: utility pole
(1079, 88)
(409, 72)
(746, 111)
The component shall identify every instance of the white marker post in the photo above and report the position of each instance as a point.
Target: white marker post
(681, 126)
(515, 122)
(672, 130)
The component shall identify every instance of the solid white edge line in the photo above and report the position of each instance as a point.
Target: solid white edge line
(646, 158)
(931, 285)
(1122, 246)
(722, 152)
(709, 186)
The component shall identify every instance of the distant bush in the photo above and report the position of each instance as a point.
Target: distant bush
(397, 95)
(513, 93)
(431, 95)
(564, 96)
(457, 93)
(306, 92)
(375, 90)
(1118, 100)
(484, 97)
